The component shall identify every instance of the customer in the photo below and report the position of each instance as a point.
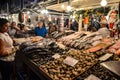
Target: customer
(41, 30)
(95, 24)
(13, 29)
(51, 27)
(23, 32)
(75, 26)
(23, 28)
(30, 26)
(57, 26)
(70, 25)
(7, 51)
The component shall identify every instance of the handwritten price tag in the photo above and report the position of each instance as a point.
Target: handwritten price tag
(70, 61)
(92, 77)
(56, 56)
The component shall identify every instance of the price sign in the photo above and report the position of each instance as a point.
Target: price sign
(92, 77)
(70, 61)
(105, 57)
(56, 56)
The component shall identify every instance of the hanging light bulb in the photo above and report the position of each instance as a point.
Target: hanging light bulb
(49, 18)
(69, 8)
(28, 16)
(73, 16)
(62, 6)
(62, 17)
(28, 12)
(103, 3)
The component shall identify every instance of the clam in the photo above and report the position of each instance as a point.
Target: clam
(75, 73)
(63, 71)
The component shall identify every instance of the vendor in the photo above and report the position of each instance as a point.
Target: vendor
(104, 31)
(111, 22)
(7, 51)
(41, 30)
(51, 27)
(13, 29)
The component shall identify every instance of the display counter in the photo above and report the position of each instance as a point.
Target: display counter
(31, 66)
(80, 57)
(56, 69)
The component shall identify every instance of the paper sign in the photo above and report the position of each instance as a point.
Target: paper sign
(92, 77)
(56, 56)
(70, 61)
(105, 57)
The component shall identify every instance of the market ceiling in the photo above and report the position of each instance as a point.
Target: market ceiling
(82, 4)
(16, 4)
(2, 2)
(54, 5)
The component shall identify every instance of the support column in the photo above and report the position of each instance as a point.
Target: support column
(62, 23)
(80, 23)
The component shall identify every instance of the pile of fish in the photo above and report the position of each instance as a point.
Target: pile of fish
(36, 38)
(115, 48)
(116, 58)
(40, 52)
(42, 45)
(58, 70)
(57, 34)
(81, 40)
(104, 44)
(100, 72)
(29, 39)
(40, 58)
(70, 37)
